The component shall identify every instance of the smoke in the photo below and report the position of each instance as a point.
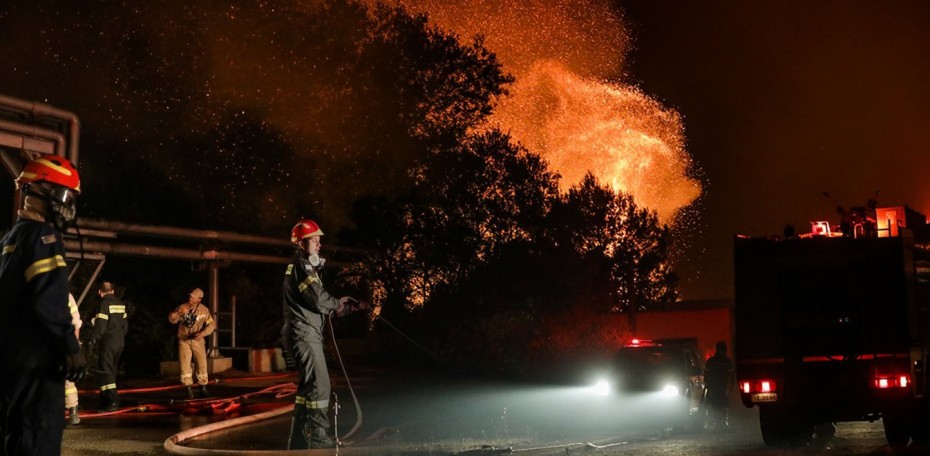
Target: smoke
(568, 103)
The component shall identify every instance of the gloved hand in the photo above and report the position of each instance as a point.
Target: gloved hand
(75, 367)
(359, 305)
(343, 302)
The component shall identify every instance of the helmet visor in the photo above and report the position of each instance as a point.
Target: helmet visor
(63, 195)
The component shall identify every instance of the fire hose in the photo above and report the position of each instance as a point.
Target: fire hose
(172, 444)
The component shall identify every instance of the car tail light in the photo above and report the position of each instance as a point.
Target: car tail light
(757, 386)
(889, 381)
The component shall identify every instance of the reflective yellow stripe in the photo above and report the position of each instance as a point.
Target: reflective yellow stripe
(9, 248)
(117, 309)
(111, 386)
(71, 390)
(300, 400)
(103, 316)
(50, 164)
(290, 268)
(317, 404)
(72, 306)
(306, 283)
(46, 265)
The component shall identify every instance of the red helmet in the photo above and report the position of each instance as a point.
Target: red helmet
(304, 229)
(52, 168)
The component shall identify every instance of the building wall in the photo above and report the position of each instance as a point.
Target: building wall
(706, 325)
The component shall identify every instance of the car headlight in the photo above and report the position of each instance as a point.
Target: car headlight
(601, 388)
(670, 390)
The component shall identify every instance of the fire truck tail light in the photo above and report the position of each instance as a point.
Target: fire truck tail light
(757, 386)
(885, 381)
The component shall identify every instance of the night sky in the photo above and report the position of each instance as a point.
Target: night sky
(782, 101)
(768, 103)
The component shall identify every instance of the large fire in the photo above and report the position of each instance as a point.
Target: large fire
(566, 104)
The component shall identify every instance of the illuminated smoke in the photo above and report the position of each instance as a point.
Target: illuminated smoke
(564, 106)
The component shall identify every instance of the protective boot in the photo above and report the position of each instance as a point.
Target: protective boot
(73, 416)
(190, 392)
(300, 426)
(319, 424)
(319, 439)
(111, 400)
(203, 391)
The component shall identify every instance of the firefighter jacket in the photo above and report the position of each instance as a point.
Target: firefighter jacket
(306, 302)
(35, 322)
(111, 324)
(194, 322)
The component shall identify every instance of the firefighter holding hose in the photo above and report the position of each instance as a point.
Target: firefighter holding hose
(307, 305)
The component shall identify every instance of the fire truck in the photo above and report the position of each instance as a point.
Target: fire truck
(835, 326)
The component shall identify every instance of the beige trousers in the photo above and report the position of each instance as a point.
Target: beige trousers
(71, 395)
(198, 349)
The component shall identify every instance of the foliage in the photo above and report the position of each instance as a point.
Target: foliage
(635, 248)
(480, 262)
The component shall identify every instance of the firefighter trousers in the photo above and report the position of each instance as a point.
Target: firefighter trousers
(108, 359)
(31, 412)
(314, 387)
(196, 348)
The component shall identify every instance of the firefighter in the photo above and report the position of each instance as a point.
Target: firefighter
(71, 391)
(718, 370)
(306, 307)
(194, 324)
(110, 328)
(38, 346)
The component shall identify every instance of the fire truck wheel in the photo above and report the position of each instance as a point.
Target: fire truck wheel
(897, 429)
(782, 427)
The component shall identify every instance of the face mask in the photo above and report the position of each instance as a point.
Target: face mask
(316, 261)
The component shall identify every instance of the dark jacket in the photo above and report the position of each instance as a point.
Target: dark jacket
(306, 302)
(35, 323)
(111, 322)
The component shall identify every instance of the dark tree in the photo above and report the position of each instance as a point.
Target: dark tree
(628, 240)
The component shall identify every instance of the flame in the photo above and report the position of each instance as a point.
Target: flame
(563, 105)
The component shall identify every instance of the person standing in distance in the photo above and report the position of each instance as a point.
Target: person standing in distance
(194, 324)
(38, 346)
(110, 328)
(307, 305)
(718, 370)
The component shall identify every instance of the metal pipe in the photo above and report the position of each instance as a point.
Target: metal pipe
(90, 282)
(198, 235)
(38, 109)
(179, 233)
(214, 307)
(32, 130)
(232, 304)
(171, 253)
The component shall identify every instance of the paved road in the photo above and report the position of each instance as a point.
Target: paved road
(411, 416)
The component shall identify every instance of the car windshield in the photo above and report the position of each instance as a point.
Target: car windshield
(647, 358)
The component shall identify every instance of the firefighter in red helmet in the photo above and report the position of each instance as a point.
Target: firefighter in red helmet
(306, 307)
(38, 346)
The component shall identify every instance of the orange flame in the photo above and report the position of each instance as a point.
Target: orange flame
(560, 106)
